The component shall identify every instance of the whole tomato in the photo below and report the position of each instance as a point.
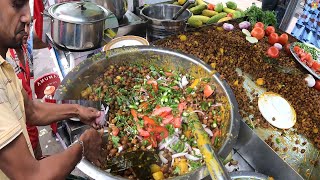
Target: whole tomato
(270, 30)
(273, 38)
(273, 52)
(317, 86)
(259, 24)
(283, 39)
(257, 33)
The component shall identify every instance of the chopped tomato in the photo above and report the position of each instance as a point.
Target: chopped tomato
(259, 24)
(230, 15)
(316, 66)
(273, 38)
(144, 105)
(162, 111)
(159, 130)
(310, 62)
(297, 49)
(309, 57)
(216, 133)
(142, 132)
(167, 119)
(149, 121)
(168, 73)
(273, 52)
(207, 90)
(115, 130)
(177, 122)
(181, 107)
(158, 106)
(211, 6)
(134, 114)
(257, 33)
(175, 87)
(270, 30)
(154, 84)
(152, 140)
(317, 86)
(283, 39)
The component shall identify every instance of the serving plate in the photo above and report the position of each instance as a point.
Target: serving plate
(302, 64)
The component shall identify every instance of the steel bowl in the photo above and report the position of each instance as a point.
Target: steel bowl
(159, 20)
(86, 72)
(243, 175)
(117, 7)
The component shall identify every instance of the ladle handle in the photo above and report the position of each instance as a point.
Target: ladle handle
(184, 7)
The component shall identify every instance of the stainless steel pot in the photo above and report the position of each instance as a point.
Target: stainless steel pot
(77, 25)
(117, 7)
(160, 23)
(86, 72)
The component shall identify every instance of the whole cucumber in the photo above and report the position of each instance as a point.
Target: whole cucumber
(198, 9)
(203, 19)
(209, 13)
(216, 18)
(228, 10)
(194, 22)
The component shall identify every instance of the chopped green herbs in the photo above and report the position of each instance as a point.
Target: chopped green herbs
(176, 170)
(170, 129)
(195, 164)
(115, 140)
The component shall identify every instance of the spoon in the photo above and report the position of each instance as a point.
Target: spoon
(184, 7)
(214, 165)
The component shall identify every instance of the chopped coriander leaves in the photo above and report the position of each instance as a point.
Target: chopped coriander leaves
(170, 129)
(176, 170)
(178, 147)
(145, 142)
(115, 140)
(195, 164)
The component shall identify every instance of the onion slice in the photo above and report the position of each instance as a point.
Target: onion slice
(198, 111)
(163, 159)
(193, 158)
(208, 131)
(178, 155)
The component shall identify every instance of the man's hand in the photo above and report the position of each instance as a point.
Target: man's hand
(92, 142)
(88, 115)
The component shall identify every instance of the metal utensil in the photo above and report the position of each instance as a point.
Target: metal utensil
(117, 7)
(214, 165)
(184, 7)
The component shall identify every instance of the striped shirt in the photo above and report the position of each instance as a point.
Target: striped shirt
(12, 114)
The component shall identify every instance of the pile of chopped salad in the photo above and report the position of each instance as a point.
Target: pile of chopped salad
(148, 111)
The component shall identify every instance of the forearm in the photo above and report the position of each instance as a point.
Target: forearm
(59, 166)
(42, 114)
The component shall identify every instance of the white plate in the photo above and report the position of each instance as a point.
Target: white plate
(125, 41)
(277, 110)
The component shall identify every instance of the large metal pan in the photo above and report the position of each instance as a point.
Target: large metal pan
(86, 72)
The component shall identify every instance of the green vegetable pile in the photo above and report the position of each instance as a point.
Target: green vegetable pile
(256, 14)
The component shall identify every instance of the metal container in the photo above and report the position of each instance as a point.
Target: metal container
(77, 25)
(86, 72)
(248, 176)
(160, 23)
(117, 7)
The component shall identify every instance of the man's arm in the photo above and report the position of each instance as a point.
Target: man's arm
(41, 114)
(17, 162)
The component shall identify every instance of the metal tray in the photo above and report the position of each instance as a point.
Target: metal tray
(302, 64)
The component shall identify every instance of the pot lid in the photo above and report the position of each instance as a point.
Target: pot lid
(78, 12)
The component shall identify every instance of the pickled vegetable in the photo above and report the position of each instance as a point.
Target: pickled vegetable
(198, 9)
(216, 18)
(219, 7)
(231, 5)
(209, 13)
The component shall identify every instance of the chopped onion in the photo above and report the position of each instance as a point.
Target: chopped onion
(197, 151)
(108, 170)
(168, 141)
(198, 111)
(178, 155)
(170, 149)
(120, 148)
(310, 81)
(148, 77)
(163, 159)
(204, 126)
(217, 105)
(246, 32)
(139, 137)
(149, 147)
(184, 81)
(190, 157)
(208, 131)
(188, 146)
